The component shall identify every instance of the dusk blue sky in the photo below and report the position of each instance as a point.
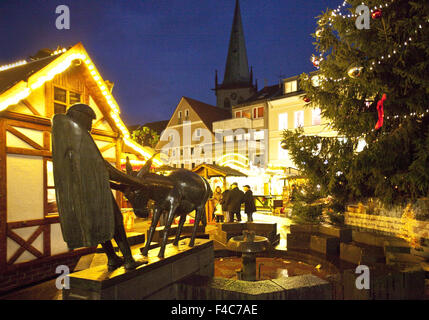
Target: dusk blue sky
(156, 51)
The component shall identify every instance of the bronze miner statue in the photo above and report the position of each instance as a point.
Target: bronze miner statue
(181, 192)
(89, 214)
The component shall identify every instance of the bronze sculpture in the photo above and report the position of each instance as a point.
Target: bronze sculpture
(181, 192)
(89, 214)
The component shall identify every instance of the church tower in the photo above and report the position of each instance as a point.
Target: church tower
(237, 85)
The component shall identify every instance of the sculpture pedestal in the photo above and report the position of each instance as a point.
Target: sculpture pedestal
(155, 280)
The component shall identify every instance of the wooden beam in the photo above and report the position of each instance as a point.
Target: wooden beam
(24, 138)
(32, 223)
(108, 146)
(98, 122)
(27, 119)
(25, 245)
(47, 240)
(28, 152)
(3, 197)
(31, 108)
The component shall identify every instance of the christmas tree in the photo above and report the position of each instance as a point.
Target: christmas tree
(372, 84)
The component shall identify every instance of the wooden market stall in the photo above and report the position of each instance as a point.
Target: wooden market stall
(31, 92)
(209, 171)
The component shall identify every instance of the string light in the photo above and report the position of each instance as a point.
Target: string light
(13, 65)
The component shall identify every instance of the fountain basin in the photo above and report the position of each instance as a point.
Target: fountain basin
(241, 244)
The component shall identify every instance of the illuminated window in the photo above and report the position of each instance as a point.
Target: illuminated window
(299, 118)
(259, 135)
(51, 201)
(238, 114)
(258, 112)
(283, 118)
(315, 121)
(63, 99)
(291, 86)
(247, 114)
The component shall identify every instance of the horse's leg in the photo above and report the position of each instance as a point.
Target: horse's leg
(170, 218)
(199, 212)
(156, 214)
(179, 229)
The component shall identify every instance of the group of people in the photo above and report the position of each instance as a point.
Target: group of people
(227, 204)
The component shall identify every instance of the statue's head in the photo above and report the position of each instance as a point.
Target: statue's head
(82, 114)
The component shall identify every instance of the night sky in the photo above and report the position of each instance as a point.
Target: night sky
(156, 51)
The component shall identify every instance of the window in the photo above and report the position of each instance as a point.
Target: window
(51, 200)
(247, 114)
(315, 115)
(299, 118)
(258, 112)
(283, 125)
(186, 114)
(229, 138)
(180, 114)
(227, 103)
(64, 99)
(198, 133)
(259, 135)
(291, 86)
(238, 114)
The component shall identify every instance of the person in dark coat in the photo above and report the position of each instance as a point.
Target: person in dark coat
(249, 203)
(234, 201)
(224, 205)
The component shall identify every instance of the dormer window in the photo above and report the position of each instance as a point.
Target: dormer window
(291, 86)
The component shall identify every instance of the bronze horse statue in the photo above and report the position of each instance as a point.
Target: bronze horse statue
(183, 192)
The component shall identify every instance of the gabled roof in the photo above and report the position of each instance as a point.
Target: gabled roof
(10, 77)
(213, 170)
(18, 81)
(208, 113)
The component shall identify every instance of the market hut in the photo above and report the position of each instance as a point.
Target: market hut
(31, 92)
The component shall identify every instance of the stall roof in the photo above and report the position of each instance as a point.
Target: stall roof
(212, 170)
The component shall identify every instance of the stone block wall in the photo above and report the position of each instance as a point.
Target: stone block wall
(385, 224)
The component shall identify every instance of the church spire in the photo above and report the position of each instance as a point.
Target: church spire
(237, 66)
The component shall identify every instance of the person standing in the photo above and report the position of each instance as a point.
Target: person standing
(234, 201)
(224, 204)
(217, 197)
(249, 203)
